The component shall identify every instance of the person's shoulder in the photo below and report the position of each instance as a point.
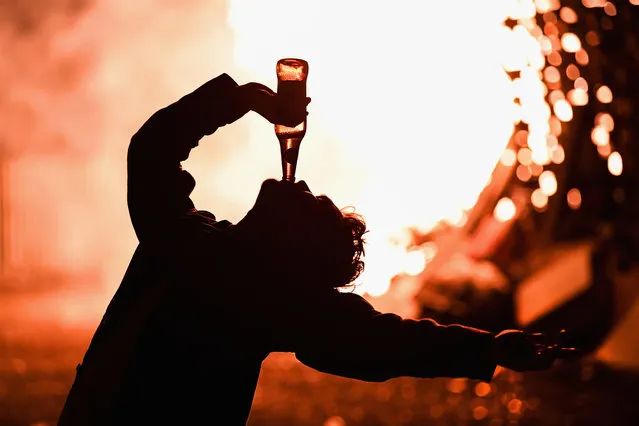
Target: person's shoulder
(352, 301)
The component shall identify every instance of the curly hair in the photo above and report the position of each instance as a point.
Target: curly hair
(340, 242)
(307, 235)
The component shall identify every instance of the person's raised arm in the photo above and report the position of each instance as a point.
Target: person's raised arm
(158, 187)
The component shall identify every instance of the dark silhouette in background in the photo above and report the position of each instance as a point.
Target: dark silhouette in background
(205, 301)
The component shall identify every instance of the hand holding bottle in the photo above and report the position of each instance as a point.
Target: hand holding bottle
(276, 109)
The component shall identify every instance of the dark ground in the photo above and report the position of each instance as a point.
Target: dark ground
(37, 367)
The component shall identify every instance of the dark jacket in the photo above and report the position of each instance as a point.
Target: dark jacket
(183, 339)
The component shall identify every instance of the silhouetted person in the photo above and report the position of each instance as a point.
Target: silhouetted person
(204, 301)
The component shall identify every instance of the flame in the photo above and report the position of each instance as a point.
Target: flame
(417, 109)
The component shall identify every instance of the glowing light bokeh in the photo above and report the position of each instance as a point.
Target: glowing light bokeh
(574, 198)
(505, 210)
(615, 164)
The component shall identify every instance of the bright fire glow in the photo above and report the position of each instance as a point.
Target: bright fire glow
(410, 113)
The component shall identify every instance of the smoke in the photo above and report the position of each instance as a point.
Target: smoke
(77, 79)
(38, 86)
(36, 72)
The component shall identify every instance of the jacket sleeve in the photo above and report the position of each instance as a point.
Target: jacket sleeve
(158, 188)
(354, 340)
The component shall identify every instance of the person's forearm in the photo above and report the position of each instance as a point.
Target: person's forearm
(168, 135)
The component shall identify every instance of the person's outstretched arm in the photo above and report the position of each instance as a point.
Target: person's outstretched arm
(350, 338)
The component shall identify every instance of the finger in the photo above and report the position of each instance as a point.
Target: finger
(266, 93)
(539, 338)
(567, 353)
(268, 189)
(541, 347)
(545, 359)
(261, 87)
(564, 338)
(303, 186)
(291, 119)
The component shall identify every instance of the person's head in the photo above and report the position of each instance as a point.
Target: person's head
(308, 237)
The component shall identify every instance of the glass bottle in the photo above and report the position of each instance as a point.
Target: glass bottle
(291, 85)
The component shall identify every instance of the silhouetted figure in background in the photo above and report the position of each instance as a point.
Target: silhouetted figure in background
(203, 301)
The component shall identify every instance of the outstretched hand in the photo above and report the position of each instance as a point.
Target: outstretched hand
(265, 102)
(521, 351)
